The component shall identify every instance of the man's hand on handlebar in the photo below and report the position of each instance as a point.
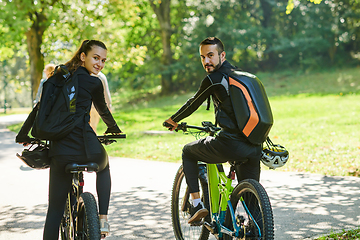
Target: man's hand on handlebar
(170, 124)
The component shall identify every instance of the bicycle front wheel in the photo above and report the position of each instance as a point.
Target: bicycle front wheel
(253, 212)
(180, 208)
(87, 224)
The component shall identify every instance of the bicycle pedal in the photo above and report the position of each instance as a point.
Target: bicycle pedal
(198, 223)
(209, 227)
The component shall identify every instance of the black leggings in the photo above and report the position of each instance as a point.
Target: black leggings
(220, 150)
(60, 185)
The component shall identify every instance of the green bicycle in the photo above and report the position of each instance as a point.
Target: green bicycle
(236, 212)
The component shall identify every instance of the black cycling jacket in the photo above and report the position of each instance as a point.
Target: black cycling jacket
(90, 90)
(216, 86)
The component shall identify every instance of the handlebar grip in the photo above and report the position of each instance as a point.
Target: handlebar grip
(168, 125)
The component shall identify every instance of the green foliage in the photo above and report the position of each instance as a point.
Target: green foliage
(14, 83)
(80, 20)
(290, 6)
(318, 38)
(258, 36)
(144, 38)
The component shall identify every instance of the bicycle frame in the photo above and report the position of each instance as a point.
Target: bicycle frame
(74, 195)
(220, 190)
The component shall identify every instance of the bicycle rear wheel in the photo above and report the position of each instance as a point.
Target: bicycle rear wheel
(67, 231)
(88, 224)
(253, 211)
(180, 208)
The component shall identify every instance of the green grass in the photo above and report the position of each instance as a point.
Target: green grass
(329, 81)
(136, 122)
(350, 234)
(320, 132)
(10, 111)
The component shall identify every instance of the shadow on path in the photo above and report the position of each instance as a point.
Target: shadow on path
(140, 213)
(21, 219)
(307, 206)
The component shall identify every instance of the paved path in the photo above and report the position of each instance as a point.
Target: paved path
(305, 205)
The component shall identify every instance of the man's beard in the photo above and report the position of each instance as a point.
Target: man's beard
(215, 67)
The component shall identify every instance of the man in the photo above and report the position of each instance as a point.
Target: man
(230, 144)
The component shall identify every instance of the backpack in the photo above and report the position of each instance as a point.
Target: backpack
(53, 116)
(251, 106)
(56, 109)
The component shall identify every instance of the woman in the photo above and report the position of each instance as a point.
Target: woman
(82, 146)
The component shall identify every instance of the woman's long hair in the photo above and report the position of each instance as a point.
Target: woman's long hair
(85, 47)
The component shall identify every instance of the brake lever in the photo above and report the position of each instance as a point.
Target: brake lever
(109, 141)
(181, 126)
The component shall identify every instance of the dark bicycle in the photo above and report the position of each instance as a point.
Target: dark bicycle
(81, 218)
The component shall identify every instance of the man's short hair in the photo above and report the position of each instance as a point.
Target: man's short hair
(214, 41)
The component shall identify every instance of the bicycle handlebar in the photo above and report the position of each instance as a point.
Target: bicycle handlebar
(109, 139)
(104, 139)
(36, 141)
(207, 127)
(113, 136)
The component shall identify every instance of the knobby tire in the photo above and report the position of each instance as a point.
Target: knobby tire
(88, 224)
(258, 203)
(180, 199)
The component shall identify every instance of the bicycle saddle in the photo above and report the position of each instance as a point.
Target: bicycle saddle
(88, 167)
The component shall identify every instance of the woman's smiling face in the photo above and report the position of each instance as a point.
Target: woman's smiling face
(95, 60)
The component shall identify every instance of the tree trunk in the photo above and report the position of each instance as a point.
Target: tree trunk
(162, 12)
(34, 38)
(267, 23)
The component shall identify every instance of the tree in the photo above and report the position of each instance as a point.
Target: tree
(29, 19)
(154, 31)
(28, 22)
(290, 6)
(162, 11)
